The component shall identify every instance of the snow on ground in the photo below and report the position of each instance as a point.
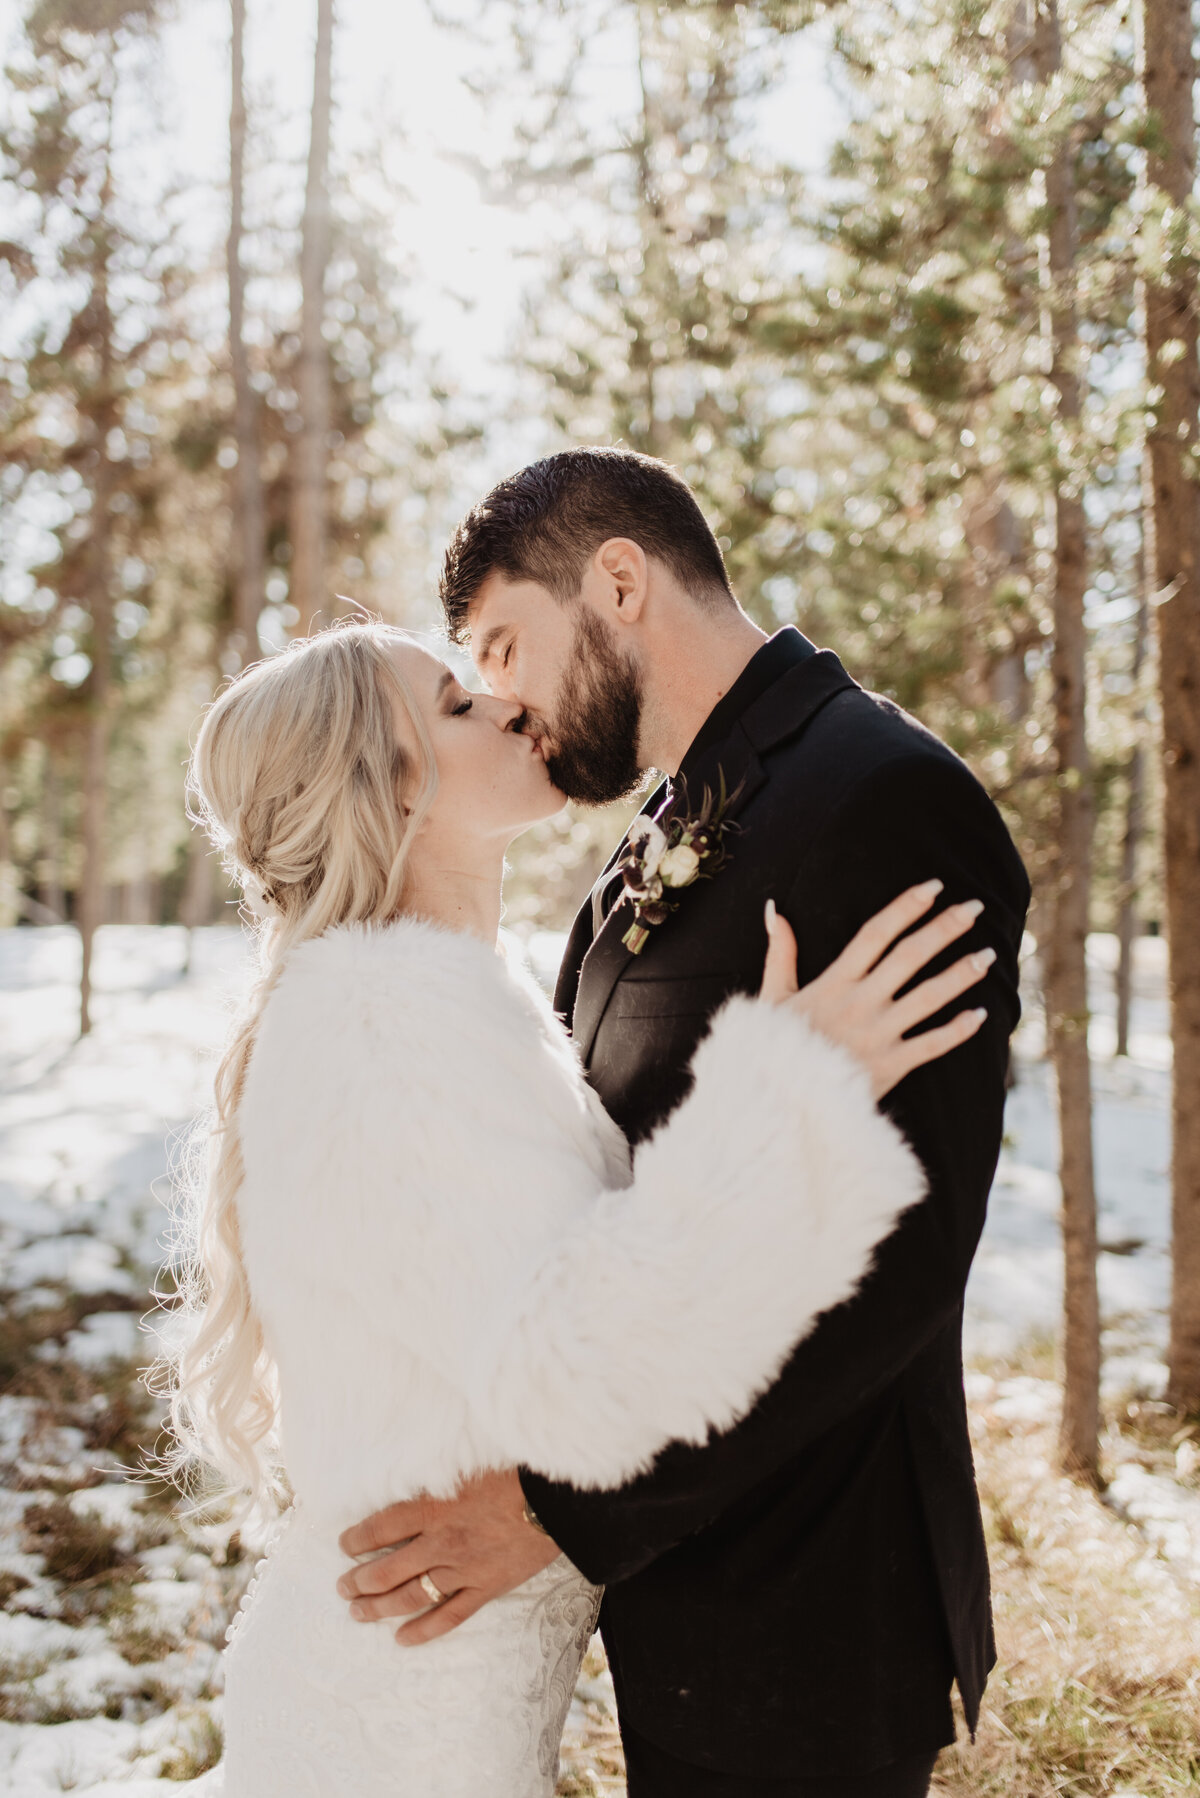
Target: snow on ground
(1016, 1282)
(114, 1612)
(114, 1609)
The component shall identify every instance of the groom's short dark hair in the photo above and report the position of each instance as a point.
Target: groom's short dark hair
(545, 522)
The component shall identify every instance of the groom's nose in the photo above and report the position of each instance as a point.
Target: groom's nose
(507, 714)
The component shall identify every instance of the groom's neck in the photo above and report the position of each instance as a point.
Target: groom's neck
(689, 667)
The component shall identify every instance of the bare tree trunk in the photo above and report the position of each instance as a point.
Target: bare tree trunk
(644, 349)
(196, 901)
(12, 902)
(997, 553)
(92, 888)
(50, 887)
(310, 485)
(1065, 961)
(1168, 72)
(249, 514)
(91, 896)
(1135, 799)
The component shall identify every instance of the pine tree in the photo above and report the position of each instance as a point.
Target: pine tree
(1134, 815)
(310, 450)
(637, 330)
(1169, 264)
(82, 426)
(248, 508)
(1068, 901)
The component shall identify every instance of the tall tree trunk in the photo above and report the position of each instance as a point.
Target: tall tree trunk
(997, 553)
(1065, 962)
(196, 900)
(310, 484)
(645, 348)
(50, 886)
(1135, 799)
(92, 891)
(1168, 72)
(249, 515)
(11, 905)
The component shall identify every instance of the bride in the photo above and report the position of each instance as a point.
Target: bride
(420, 1249)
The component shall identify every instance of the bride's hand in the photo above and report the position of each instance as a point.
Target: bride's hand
(854, 1001)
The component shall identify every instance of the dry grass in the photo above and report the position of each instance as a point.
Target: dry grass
(1097, 1693)
(1097, 1690)
(594, 1767)
(198, 1749)
(76, 1549)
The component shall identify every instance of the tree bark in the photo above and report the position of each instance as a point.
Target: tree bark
(310, 484)
(249, 514)
(91, 896)
(1167, 70)
(1065, 960)
(1135, 802)
(50, 885)
(993, 537)
(644, 349)
(12, 900)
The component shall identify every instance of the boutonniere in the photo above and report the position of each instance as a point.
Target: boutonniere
(668, 852)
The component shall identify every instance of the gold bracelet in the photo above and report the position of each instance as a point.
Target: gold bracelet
(532, 1517)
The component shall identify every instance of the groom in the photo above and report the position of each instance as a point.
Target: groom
(788, 1606)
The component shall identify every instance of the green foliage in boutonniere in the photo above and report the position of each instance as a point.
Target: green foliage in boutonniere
(670, 851)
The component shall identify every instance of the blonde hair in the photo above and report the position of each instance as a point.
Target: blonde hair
(301, 780)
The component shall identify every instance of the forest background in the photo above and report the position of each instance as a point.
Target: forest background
(904, 288)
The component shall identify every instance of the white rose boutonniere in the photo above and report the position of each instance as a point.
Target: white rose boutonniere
(669, 852)
(679, 866)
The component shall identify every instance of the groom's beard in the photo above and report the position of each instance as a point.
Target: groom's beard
(594, 758)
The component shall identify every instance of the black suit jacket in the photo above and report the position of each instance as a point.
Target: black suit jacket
(798, 1594)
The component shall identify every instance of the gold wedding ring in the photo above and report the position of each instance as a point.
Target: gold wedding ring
(430, 1590)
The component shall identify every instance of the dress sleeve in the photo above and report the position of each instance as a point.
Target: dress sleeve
(424, 1169)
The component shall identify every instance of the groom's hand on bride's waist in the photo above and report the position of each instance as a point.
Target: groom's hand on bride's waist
(468, 1550)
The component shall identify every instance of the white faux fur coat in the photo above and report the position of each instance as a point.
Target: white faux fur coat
(452, 1262)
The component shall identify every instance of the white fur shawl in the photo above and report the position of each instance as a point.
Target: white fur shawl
(452, 1266)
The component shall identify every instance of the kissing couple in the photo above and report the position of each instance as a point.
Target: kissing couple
(646, 1308)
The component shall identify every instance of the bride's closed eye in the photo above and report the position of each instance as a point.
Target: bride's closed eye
(460, 710)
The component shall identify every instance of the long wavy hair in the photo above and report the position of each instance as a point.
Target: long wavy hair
(309, 792)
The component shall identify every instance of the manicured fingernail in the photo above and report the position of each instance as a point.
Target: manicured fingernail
(769, 912)
(983, 958)
(931, 889)
(971, 908)
(980, 1013)
(358, 1611)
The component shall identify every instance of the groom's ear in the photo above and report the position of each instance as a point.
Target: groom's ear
(621, 579)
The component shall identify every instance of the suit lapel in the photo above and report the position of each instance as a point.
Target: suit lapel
(584, 930)
(608, 958)
(595, 961)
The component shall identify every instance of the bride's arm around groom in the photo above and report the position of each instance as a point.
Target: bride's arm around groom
(461, 1214)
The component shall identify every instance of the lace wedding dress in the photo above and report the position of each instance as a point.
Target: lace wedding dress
(456, 1268)
(319, 1705)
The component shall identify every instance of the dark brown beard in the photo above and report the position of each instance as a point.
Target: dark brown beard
(595, 740)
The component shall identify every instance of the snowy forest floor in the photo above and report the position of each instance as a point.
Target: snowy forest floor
(115, 1608)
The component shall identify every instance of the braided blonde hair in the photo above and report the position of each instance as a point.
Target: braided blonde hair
(302, 782)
